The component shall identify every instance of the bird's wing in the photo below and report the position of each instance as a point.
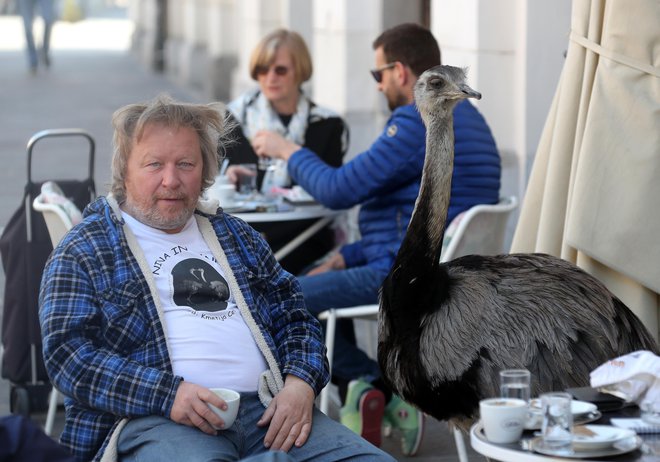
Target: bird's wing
(514, 311)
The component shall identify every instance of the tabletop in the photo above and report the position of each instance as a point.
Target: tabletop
(283, 211)
(514, 452)
(298, 212)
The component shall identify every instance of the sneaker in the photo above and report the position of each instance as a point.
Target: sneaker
(363, 410)
(409, 421)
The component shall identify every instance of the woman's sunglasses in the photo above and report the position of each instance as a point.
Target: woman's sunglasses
(279, 70)
(378, 73)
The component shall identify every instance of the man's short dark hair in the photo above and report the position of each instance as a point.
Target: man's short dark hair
(410, 44)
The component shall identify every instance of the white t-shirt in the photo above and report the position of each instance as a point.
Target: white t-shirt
(210, 343)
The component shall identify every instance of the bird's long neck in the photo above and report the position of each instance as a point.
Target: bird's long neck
(423, 241)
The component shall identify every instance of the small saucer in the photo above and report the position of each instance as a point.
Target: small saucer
(598, 436)
(631, 444)
(233, 206)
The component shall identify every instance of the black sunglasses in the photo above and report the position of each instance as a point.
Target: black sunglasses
(279, 70)
(378, 73)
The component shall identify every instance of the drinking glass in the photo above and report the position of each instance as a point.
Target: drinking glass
(557, 427)
(514, 383)
(264, 162)
(247, 182)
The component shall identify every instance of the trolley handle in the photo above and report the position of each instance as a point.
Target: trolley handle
(60, 132)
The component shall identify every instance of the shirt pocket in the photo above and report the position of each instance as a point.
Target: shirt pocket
(257, 299)
(125, 313)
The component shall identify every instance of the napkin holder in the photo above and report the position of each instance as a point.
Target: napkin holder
(604, 401)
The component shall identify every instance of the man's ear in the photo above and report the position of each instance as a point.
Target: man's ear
(401, 72)
(405, 74)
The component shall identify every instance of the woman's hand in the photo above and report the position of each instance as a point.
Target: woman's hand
(234, 172)
(270, 144)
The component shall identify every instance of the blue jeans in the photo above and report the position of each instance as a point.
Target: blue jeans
(342, 289)
(48, 14)
(159, 438)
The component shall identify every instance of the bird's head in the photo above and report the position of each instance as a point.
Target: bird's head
(439, 89)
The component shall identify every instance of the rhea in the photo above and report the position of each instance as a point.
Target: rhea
(446, 330)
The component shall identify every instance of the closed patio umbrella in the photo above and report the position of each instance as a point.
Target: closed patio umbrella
(593, 193)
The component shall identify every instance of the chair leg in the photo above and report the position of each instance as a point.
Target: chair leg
(460, 445)
(331, 325)
(52, 410)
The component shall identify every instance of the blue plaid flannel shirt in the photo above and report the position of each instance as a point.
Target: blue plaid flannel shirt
(103, 342)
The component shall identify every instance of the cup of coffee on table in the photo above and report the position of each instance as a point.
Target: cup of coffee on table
(503, 419)
(233, 399)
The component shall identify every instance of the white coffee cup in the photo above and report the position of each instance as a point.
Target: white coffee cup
(225, 193)
(503, 419)
(233, 400)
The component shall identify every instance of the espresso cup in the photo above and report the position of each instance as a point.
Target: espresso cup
(233, 400)
(224, 193)
(503, 419)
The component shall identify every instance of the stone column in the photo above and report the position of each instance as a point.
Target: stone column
(144, 41)
(174, 40)
(222, 49)
(193, 65)
(343, 33)
(505, 44)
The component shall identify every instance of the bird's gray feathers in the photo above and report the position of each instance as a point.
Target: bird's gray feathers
(438, 90)
(527, 311)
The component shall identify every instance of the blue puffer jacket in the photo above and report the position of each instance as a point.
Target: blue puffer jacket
(385, 180)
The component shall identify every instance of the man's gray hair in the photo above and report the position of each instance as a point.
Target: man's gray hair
(129, 122)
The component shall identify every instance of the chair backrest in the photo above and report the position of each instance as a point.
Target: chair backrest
(479, 230)
(57, 221)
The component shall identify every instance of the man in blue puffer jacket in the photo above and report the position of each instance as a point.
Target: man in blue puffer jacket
(385, 181)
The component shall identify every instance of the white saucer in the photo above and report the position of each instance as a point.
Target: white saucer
(598, 436)
(621, 447)
(233, 206)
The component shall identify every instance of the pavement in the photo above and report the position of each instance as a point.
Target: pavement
(92, 73)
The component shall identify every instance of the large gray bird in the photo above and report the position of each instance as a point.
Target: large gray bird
(446, 330)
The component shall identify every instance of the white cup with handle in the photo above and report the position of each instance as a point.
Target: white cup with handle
(224, 193)
(503, 419)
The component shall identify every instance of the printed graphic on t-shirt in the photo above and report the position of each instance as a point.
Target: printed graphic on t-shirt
(198, 285)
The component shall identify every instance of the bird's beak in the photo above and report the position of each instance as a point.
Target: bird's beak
(469, 92)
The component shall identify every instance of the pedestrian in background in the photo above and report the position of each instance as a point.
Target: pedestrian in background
(47, 11)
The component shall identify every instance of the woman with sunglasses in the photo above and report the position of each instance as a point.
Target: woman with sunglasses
(280, 64)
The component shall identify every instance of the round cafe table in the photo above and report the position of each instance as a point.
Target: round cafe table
(514, 452)
(298, 212)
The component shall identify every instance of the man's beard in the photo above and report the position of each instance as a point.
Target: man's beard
(154, 218)
(398, 100)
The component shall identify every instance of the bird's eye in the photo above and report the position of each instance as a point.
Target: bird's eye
(436, 82)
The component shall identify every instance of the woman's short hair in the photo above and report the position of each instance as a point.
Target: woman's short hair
(129, 122)
(264, 53)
